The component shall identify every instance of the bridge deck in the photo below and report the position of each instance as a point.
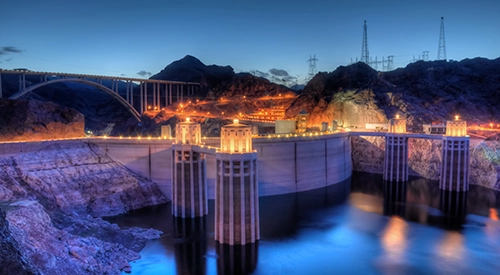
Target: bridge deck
(27, 72)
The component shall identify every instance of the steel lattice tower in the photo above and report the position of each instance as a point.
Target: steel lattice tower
(442, 44)
(312, 67)
(365, 56)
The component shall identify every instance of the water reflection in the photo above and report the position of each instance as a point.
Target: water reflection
(363, 226)
(394, 238)
(417, 200)
(190, 245)
(395, 198)
(454, 207)
(493, 214)
(237, 259)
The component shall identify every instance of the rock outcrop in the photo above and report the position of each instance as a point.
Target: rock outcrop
(37, 120)
(61, 251)
(54, 196)
(12, 261)
(76, 177)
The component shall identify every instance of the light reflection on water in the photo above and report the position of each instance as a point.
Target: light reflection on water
(361, 226)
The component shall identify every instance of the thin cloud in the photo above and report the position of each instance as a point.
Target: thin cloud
(122, 75)
(144, 73)
(9, 49)
(261, 74)
(278, 72)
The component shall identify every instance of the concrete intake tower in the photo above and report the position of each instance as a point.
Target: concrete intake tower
(236, 189)
(189, 182)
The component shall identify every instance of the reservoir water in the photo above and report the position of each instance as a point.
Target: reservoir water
(360, 226)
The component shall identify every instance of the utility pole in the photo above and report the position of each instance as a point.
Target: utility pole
(442, 44)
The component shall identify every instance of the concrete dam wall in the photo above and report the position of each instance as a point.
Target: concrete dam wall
(285, 165)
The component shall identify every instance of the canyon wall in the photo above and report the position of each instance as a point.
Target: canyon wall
(54, 193)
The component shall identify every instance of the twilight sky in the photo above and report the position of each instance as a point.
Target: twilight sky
(127, 36)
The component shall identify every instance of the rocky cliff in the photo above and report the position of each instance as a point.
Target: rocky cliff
(54, 196)
(424, 159)
(423, 92)
(11, 259)
(37, 120)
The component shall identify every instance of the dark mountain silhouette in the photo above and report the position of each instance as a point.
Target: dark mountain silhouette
(190, 69)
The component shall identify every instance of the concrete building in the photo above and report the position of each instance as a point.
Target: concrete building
(166, 132)
(189, 183)
(236, 190)
(455, 157)
(376, 126)
(436, 129)
(324, 126)
(285, 126)
(396, 151)
(302, 118)
(334, 125)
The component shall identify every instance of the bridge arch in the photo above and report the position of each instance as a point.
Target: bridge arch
(115, 95)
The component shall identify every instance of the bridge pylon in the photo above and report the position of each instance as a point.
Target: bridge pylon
(455, 157)
(189, 181)
(396, 151)
(236, 188)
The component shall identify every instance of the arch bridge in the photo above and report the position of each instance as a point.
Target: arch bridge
(137, 95)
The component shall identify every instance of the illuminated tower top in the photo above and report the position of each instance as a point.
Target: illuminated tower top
(456, 128)
(397, 125)
(188, 132)
(236, 138)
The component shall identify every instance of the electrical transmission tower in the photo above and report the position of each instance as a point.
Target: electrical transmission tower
(365, 56)
(387, 64)
(312, 67)
(442, 44)
(425, 55)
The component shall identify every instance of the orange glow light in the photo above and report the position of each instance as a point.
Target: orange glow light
(494, 214)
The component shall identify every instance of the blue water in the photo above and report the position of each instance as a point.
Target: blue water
(360, 226)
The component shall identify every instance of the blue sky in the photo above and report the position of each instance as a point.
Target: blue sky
(127, 36)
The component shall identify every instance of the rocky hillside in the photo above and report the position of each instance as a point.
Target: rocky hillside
(244, 84)
(54, 194)
(423, 92)
(37, 120)
(242, 93)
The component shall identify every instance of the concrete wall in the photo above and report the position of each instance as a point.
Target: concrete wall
(151, 159)
(285, 165)
(295, 164)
